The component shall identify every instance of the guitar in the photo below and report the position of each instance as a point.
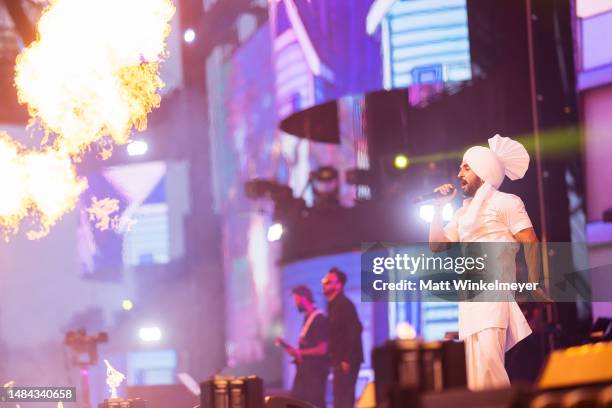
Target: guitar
(279, 342)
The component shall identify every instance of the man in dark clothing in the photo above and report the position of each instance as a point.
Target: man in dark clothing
(311, 355)
(345, 348)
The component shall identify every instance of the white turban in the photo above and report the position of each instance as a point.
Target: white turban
(503, 157)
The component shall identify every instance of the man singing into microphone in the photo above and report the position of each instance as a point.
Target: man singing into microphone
(489, 329)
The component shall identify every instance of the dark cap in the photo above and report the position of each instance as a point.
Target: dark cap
(303, 290)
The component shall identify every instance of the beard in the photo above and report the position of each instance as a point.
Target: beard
(301, 308)
(470, 188)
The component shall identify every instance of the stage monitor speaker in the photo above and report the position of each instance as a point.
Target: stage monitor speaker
(232, 392)
(286, 402)
(580, 365)
(414, 365)
(498, 398)
(162, 396)
(602, 329)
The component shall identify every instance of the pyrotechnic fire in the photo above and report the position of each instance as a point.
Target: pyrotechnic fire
(8, 386)
(93, 72)
(90, 77)
(41, 183)
(13, 206)
(101, 210)
(113, 378)
(53, 187)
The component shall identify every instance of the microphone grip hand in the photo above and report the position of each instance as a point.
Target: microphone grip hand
(448, 193)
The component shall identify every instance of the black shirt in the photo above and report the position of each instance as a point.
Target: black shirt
(317, 332)
(344, 332)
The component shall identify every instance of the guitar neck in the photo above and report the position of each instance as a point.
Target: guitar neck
(282, 343)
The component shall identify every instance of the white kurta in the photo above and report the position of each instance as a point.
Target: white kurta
(500, 217)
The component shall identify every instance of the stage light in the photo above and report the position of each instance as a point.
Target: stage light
(149, 334)
(275, 232)
(137, 148)
(405, 331)
(189, 35)
(401, 162)
(426, 212)
(127, 304)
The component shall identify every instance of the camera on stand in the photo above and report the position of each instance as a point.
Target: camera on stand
(84, 347)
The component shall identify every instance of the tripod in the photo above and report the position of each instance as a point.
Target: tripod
(84, 350)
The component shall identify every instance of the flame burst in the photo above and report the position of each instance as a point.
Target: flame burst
(40, 183)
(101, 211)
(113, 379)
(93, 72)
(8, 386)
(91, 77)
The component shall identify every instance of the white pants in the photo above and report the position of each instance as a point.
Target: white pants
(484, 354)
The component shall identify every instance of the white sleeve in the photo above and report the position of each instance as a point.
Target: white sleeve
(451, 231)
(515, 215)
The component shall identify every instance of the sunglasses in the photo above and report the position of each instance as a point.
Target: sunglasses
(327, 282)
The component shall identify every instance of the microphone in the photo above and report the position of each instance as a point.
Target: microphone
(430, 196)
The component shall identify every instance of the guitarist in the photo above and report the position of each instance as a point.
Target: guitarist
(312, 361)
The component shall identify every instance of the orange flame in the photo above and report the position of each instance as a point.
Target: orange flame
(101, 210)
(91, 77)
(42, 184)
(93, 72)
